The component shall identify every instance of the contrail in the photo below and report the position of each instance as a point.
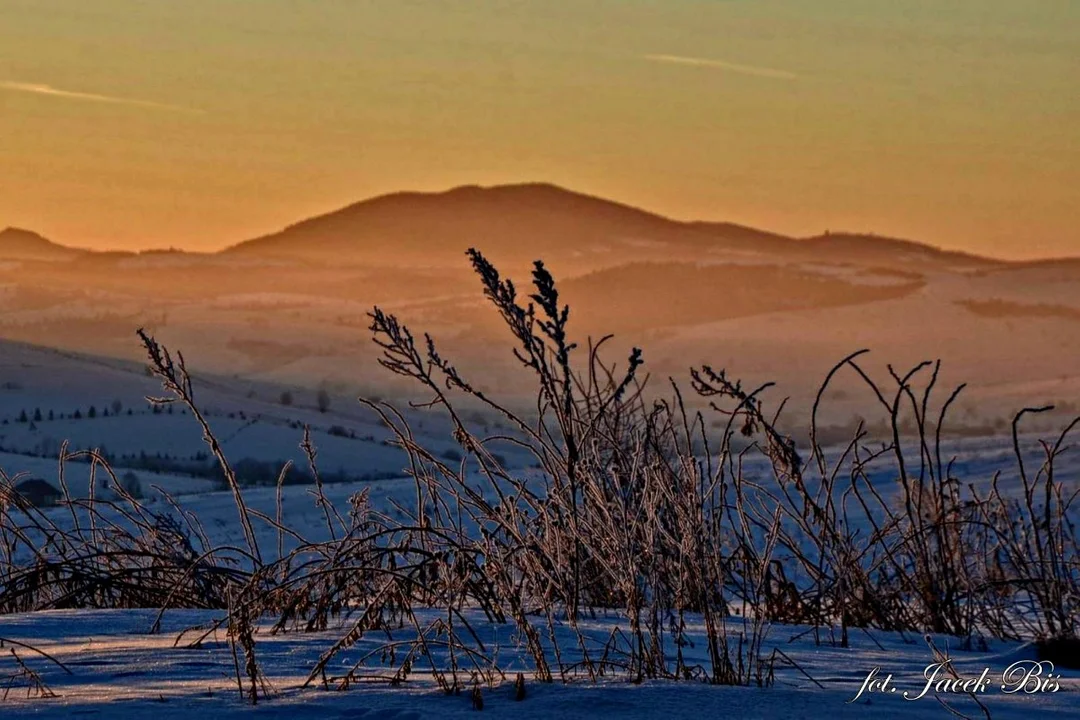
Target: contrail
(723, 65)
(40, 89)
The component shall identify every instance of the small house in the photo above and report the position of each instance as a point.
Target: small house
(38, 493)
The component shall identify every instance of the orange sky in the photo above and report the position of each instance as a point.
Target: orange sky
(131, 124)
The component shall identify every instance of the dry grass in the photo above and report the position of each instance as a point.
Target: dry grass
(637, 503)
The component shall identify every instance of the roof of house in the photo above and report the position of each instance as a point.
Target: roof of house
(36, 485)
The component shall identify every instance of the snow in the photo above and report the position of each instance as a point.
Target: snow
(247, 417)
(118, 670)
(77, 476)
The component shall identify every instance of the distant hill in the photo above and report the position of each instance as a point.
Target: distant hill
(292, 308)
(515, 224)
(18, 244)
(879, 249)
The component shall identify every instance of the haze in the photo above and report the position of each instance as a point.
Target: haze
(129, 124)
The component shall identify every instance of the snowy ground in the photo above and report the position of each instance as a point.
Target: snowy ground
(117, 670)
(976, 460)
(41, 391)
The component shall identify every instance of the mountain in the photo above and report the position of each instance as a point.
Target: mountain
(513, 225)
(18, 244)
(293, 307)
(572, 232)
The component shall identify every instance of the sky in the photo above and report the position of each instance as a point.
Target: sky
(154, 123)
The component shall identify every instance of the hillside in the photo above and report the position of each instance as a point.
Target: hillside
(49, 397)
(291, 309)
(18, 244)
(515, 224)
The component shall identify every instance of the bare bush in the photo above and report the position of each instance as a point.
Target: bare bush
(112, 553)
(635, 503)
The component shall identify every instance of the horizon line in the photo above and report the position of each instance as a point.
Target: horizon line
(550, 185)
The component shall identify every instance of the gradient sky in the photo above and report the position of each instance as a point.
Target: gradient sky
(196, 124)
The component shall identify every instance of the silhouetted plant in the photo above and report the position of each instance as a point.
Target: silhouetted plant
(634, 502)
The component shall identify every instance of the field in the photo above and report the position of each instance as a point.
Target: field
(620, 548)
(118, 669)
(606, 358)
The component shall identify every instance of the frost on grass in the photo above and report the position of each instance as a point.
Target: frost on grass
(656, 537)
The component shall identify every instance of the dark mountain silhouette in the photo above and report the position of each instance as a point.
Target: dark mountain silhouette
(514, 224)
(18, 244)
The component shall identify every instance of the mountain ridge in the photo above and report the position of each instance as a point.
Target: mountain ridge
(517, 223)
(21, 244)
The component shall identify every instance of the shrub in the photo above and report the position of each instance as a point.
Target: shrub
(129, 481)
(340, 431)
(637, 503)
